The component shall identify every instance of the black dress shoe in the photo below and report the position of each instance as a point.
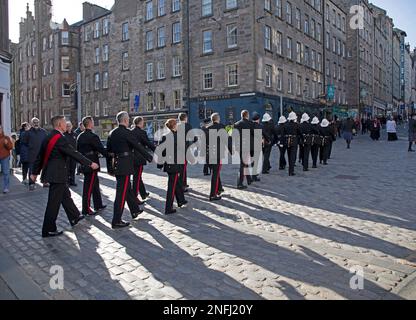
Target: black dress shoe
(120, 225)
(185, 190)
(52, 234)
(220, 192)
(77, 220)
(135, 215)
(242, 187)
(101, 208)
(315, 167)
(73, 185)
(90, 214)
(146, 196)
(170, 212)
(305, 170)
(292, 174)
(217, 198)
(256, 179)
(140, 203)
(180, 205)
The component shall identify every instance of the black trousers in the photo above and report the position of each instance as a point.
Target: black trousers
(59, 194)
(91, 189)
(183, 176)
(305, 156)
(315, 152)
(301, 153)
(175, 190)
(244, 170)
(282, 160)
(72, 166)
(138, 184)
(207, 169)
(292, 153)
(216, 184)
(124, 194)
(330, 150)
(324, 153)
(267, 150)
(25, 170)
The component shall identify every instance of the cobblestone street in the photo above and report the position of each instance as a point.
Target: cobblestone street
(283, 238)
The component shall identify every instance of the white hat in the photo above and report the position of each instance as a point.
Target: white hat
(292, 117)
(305, 118)
(282, 120)
(324, 123)
(267, 117)
(315, 120)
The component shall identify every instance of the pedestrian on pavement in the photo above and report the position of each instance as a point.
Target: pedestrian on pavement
(375, 129)
(281, 142)
(205, 126)
(24, 152)
(173, 168)
(316, 141)
(412, 132)
(217, 152)
(268, 127)
(90, 146)
(245, 129)
(52, 163)
(305, 140)
(6, 146)
(14, 151)
(327, 135)
(348, 129)
(363, 126)
(72, 164)
(291, 132)
(184, 121)
(34, 139)
(391, 128)
(121, 143)
(139, 161)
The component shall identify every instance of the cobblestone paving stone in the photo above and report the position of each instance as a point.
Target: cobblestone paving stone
(283, 238)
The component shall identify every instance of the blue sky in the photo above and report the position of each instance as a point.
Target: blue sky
(402, 11)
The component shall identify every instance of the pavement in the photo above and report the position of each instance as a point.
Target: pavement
(302, 238)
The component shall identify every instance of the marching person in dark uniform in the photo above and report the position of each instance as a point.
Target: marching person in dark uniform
(268, 127)
(139, 160)
(121, 143)
(281, 142)
(173, 169)
(72, 164)
(291, 132)
(52, 162)
(90, 146)
(205, 127)
(245, 157)
(327, 134)
(183, 121)
(77, 132)
(306, 140)
(316, 141)
(217, 152)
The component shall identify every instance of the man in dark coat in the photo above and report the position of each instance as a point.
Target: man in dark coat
(52, 162)
(205, 127)
(281, 142)
(34, 139)
(90, 146)
(291, 132)
(306, 140)
(139, 160)
(269, 141)
(121, 143)
(72, 164)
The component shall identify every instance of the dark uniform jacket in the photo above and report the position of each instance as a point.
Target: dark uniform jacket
(121, 143)
(143, 139)
(278, 133)
(72, 138)
(56, 170)
(306, 133)
(90, 146)
(172, 165)
(269, 133)
(327, 133)
(217, 148)
(291, 129)
(241, 126)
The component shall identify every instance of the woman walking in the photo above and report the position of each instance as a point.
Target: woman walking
(392, 130)
(375, 129)
(348, 127)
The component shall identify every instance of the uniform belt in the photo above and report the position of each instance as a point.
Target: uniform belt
(123, 154)
(291, 135)
(91, 153)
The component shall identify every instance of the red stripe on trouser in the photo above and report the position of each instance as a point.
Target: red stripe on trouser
(174, 189)
(217, 186)
(123, 199)
(138, 180)
(90, 191)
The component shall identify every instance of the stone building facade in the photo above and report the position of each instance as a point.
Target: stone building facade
(396, 64)
(46, 66)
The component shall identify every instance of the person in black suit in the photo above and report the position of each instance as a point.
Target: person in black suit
(328, 136)
(245, 125)
(90, 146)
(172, 167)
(291, 132)
(306, 140)
(207, 123)
(121, 143)
(217, 150)
(183, 175)
(52, 163)
(139, 161)
(316, 141)
(268, 126)
(72, 164)
(281, 142)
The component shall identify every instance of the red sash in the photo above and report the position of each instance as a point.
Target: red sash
(49, 149)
